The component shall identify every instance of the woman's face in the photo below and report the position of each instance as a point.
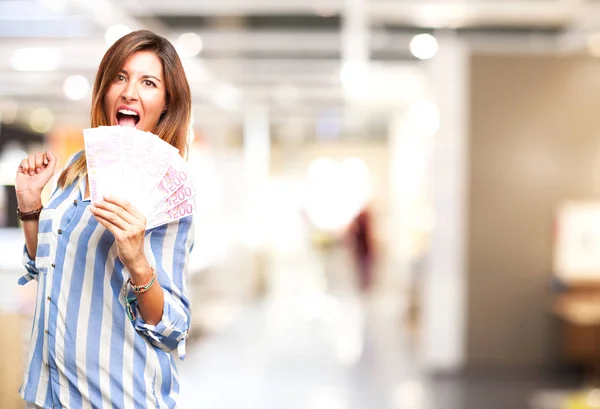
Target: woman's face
(137, 95)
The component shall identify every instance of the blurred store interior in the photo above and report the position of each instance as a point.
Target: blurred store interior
(459, 138)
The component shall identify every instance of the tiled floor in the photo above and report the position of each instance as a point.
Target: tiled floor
(306, 348)
(337, 355)
(346, 354)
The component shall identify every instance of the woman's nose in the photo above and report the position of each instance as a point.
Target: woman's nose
(129, 93)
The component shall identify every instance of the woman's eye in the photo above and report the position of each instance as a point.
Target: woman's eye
(149, 83)
(120, 78)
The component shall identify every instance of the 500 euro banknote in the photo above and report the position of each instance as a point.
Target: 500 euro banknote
(103, 156)
(172, 180)
(182, 210)
(182, 194)
(129, 156)
(144, 158)
(141, 168)
(151, 161)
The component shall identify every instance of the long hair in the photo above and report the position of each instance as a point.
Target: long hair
(173, 124)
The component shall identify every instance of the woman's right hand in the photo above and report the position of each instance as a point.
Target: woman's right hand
(33, 174)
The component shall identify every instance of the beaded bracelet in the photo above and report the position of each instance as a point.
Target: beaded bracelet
(139, 289)
(129, 301)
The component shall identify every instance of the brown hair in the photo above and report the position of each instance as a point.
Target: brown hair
(173, 124)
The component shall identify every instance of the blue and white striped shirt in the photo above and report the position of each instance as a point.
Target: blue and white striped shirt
(85, 352)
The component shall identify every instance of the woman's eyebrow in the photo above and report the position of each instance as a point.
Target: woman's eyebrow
(124, 71)
(151, 76)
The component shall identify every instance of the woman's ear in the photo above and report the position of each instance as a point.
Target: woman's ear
(162, 114)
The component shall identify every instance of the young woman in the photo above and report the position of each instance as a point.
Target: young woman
(90, 348)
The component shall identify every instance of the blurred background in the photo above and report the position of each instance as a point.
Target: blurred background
(399, 200)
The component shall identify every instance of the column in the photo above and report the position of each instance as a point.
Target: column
(443, 289)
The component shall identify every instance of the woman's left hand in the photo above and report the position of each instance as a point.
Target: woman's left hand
(127, 224)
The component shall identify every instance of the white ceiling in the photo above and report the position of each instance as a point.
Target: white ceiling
(286, 54)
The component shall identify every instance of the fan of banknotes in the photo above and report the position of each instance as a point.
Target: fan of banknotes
(141, 168)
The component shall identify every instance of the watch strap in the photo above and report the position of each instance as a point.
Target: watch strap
(32, 215)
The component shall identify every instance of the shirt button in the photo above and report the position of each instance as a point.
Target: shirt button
(46, 331)
(53, 265)
(49, 299)
(59, 231)
(75, 201)
(46, 363)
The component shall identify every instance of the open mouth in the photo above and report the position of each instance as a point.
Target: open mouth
(126, 117)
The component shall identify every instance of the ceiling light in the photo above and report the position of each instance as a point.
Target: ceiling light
(353, 71)
(424, 46)
(113, 33)
(40, 120)
(35, 59)
(189, 45)
(76, 87)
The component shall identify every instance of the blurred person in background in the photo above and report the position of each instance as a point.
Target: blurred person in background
(360, 239)
(112, 300)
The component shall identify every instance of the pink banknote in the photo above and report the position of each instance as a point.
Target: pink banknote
(128, 158)
(151, 162)
(175, 177)
(139, 167)
(103, 156)
(183, 193)
(182, 210)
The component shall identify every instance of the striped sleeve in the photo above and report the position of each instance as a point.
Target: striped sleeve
(28, 262)
(32, 270)
(170, 245)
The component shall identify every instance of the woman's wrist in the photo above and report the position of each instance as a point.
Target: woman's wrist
(29, 201)
(141, 272)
